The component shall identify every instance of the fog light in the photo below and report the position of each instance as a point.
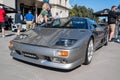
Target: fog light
(64, 61)
(56, 60)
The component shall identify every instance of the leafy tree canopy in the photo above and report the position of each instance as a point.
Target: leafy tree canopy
(82, 11)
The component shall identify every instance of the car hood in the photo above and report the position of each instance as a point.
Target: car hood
(49, 36)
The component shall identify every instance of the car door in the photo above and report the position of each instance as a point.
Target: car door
(96, 33)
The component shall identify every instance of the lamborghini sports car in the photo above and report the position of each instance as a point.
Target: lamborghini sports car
(63, 43)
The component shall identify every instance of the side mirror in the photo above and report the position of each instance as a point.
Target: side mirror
(95, 25)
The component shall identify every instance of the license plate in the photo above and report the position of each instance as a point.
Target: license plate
(30, 55)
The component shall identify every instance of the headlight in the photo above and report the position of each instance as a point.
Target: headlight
(66, 42)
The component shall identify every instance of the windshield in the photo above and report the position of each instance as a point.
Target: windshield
(73, 23)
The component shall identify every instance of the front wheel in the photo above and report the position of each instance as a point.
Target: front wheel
(89, 52)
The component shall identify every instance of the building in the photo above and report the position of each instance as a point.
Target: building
(60, 6)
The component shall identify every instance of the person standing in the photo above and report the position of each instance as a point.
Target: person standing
(57, 16)
(44, 12)
(18, 21)
(10, 21)
(6, 22)
(43, 16)
(29, 19)
(112, 22)
(2, 20)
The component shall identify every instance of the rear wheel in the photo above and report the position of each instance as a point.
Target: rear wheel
(89, 52)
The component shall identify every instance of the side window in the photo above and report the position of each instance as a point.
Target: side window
(93, 25)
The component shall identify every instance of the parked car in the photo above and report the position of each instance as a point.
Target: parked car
(64, 43)
(14, 27)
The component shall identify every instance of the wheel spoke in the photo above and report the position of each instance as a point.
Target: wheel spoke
(90, 50)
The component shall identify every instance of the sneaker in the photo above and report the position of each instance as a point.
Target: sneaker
(118, 40)
(3, 36)
(109, 40)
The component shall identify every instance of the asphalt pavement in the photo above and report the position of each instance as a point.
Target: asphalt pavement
(104, 66)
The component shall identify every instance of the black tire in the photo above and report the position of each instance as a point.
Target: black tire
(106, 40)
(89, 52)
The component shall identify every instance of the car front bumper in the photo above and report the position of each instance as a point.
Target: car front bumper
(45, 62)
(43, 51)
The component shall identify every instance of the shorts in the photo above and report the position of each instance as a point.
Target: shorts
(19, 25)
(29, 24)
(112, 27)
(2, 25)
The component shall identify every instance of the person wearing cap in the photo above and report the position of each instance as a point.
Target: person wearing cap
(112, 22)
(2, 20)
(29, 19)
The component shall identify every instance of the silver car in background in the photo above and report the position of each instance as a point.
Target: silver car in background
(64, 43)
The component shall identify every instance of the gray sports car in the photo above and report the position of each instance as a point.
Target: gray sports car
(64, 43)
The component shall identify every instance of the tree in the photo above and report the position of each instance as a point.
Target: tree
(118, 8)
(82, 11)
